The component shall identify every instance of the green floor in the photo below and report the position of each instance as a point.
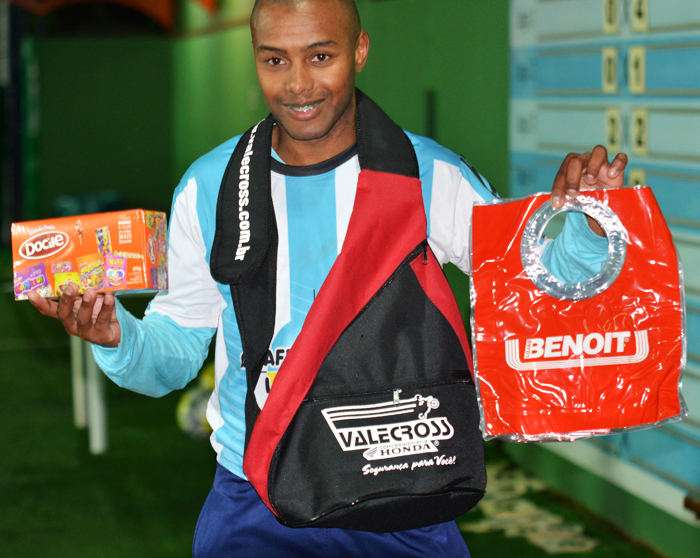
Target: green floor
(142, 498)
(521, 517)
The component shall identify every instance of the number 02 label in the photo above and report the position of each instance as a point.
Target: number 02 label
(613, 125)
(640, 132)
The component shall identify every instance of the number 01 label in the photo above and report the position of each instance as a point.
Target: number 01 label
(637, 70)
(609, 70)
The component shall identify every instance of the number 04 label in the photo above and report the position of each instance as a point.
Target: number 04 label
(610, 16)
(640, 15)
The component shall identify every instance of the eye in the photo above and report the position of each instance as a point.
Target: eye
(274, 61)
(321, 57)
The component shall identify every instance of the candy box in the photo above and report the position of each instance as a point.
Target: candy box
(122, 250)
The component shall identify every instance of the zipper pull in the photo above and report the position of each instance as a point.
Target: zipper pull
(425, 255)
(396, 396)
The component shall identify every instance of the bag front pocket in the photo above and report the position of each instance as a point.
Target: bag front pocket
(381, 461)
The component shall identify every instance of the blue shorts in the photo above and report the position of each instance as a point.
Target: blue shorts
(235, 523)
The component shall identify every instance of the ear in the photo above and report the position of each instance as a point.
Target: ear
(361, 50)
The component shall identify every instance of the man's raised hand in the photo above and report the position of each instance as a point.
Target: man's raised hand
(591, 170)
(91, 317)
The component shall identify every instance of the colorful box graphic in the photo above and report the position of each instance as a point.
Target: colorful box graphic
(122, 250)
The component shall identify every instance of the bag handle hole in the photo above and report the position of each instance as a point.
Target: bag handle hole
(546, 281)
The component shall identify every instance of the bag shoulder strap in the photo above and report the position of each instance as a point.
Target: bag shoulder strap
(245, 216)
(382, 145)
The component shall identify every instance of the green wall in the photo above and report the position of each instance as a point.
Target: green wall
(459, 50)
(216, 94)
(132, 113)
(106, 119)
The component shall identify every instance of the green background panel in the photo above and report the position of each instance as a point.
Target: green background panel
(106, 119)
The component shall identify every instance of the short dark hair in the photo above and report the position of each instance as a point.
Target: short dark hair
(349, 6)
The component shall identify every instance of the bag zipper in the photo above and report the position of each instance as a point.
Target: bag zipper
(422, 247)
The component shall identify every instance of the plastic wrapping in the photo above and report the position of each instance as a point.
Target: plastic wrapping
(531, 244)
(563, 361)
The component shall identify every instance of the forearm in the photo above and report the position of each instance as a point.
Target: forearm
(577, 253)
(155, 355)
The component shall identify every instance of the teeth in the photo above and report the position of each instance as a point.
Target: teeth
(307, 108)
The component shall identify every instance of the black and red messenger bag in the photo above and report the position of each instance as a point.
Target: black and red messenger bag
(372, 422)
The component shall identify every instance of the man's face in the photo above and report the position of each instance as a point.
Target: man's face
(306, 57)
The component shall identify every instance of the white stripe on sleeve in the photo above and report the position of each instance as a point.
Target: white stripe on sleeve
(193, 298)
(446, 180)
(214, 417)
(451, 207)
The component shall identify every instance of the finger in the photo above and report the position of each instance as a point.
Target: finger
(573, 176)
(66, 304)
(45, 306)
(67, 300)
(597, 162)
(103, 319)
(97, 308)
(617, 168)
(84, 316)
(559, 187)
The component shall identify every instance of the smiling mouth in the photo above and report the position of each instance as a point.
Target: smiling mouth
(304, 108)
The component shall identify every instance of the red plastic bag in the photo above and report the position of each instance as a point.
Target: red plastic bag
(557, 361)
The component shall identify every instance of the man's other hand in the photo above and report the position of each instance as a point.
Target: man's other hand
(91, 317)
(588, 171)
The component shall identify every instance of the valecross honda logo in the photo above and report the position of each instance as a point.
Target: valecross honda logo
(379, 430)
(568, 351)
(43, 245)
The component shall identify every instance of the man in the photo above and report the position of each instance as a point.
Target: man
(307, 53)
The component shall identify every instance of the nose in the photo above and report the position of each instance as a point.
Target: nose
(299, 79)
